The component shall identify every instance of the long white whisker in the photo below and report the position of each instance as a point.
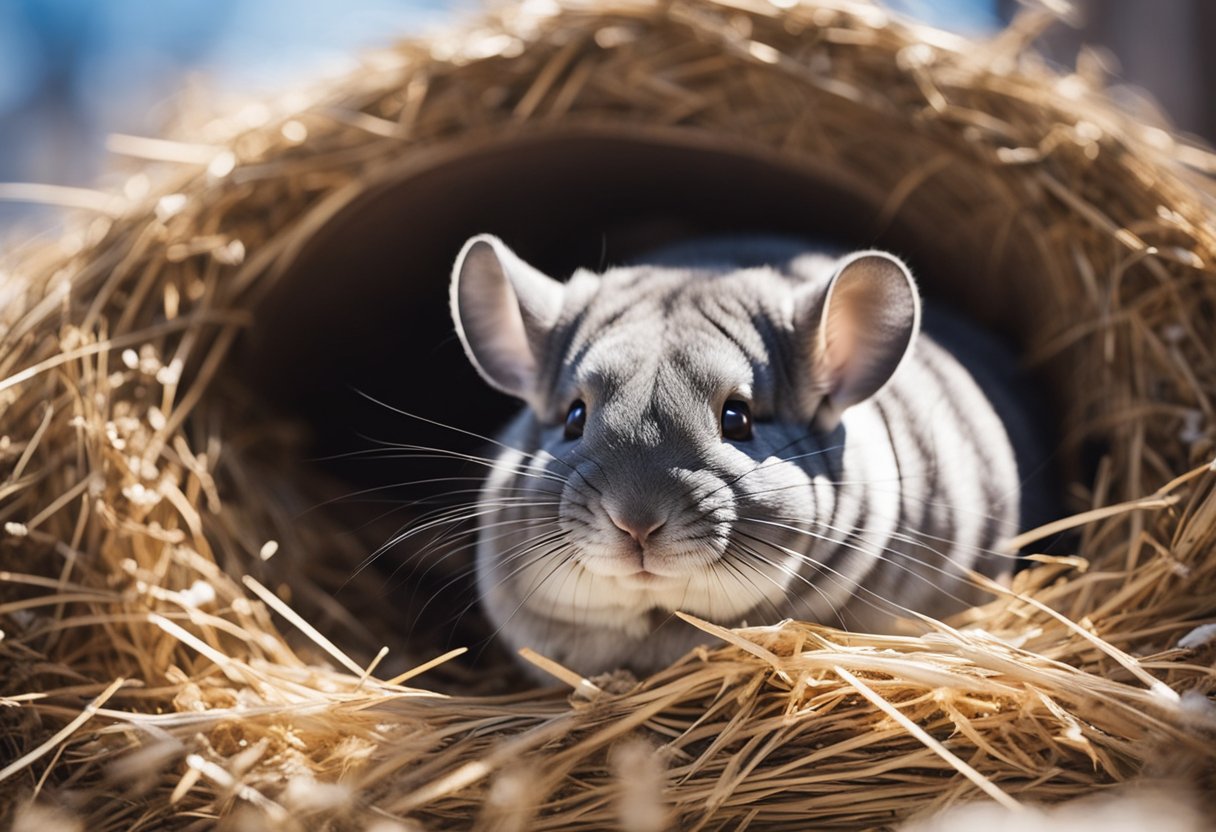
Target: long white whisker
(525, 548)
(395, 450)
(560, 562)
(914, 539)
(867, 551)
(397, 539)
(491, 440)
(829, 572)
(793, 573)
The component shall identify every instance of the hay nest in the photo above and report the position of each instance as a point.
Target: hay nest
(161, 669)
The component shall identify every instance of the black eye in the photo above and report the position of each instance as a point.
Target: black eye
(576, 418)
(736, 421)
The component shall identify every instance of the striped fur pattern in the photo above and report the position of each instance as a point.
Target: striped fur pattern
(877, 473)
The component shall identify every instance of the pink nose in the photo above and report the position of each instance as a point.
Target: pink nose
(638, 526)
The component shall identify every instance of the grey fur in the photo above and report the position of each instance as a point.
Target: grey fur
(879, 473)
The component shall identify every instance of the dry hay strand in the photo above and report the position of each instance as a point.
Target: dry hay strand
(156, 675)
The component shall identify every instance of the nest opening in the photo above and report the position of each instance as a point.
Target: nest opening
(362, 307)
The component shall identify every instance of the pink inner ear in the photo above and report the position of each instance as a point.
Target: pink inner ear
(503, 308)
(839, 345)
(871, 317)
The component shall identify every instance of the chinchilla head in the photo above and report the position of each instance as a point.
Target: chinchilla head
(682, 429)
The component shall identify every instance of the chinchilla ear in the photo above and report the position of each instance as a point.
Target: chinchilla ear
(861, 329)
(503, 310)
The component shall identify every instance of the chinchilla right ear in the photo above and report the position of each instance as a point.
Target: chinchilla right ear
(856, 334)
(504, 310)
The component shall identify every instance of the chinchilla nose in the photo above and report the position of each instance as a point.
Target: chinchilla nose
(639, 522)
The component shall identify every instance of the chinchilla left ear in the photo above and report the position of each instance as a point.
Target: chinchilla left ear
(504, 310)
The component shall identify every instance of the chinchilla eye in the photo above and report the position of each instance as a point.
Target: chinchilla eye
(576, 418)
(736, 421)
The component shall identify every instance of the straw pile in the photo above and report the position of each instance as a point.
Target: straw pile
(159, 665)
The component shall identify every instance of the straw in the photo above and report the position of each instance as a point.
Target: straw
(137, 494)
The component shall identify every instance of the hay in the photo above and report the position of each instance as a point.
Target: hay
(154, 675)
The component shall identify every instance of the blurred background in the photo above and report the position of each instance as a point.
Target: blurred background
(74, 71)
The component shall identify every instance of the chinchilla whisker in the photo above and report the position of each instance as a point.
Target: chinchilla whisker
(885, 553)
(894, 486)
(510, 554)
(734, 566)
(430, 498)
(397, 451)
(413, 530)
(388, 449)
(870, 485)
(456, 518)
(751, 551)
(396, 507)
(560, 592)
(917, 540)
(549, 533)
(527, 547)
(439, 527)
(777, 489)
(532, 590)
(773, 460)
(491, 440)
(882, 605)
(420, 452)
(482, 504)
(446, 543)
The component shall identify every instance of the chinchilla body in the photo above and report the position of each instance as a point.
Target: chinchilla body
(746, 430)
